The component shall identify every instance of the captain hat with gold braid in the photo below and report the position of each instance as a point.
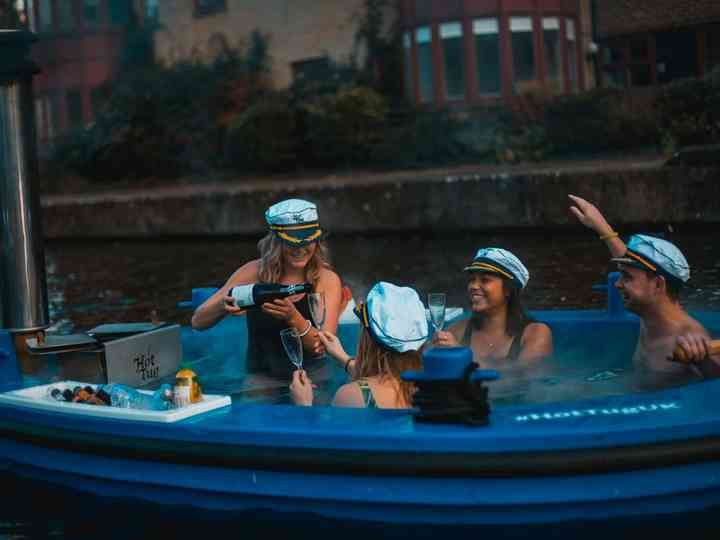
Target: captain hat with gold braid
(656, 255)
(294, 221)
(502, 263)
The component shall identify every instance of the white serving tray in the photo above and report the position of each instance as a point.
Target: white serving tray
(36, 397)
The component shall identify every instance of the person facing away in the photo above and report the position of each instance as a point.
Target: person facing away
(499, 331)
(394, 328)
(291, 252)
(652, 274)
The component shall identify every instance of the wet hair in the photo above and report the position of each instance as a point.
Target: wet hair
(374, 360)
(271, 260)
(517, 316)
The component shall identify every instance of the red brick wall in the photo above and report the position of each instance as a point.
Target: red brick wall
(617, 17)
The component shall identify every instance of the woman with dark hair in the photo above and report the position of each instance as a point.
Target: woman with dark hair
(394, 328)
(292, 252)
(499, 329)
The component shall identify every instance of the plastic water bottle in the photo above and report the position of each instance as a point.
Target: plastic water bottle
(127, 397)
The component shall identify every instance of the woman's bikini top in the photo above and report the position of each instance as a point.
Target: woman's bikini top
(515, 346)
(367, 394)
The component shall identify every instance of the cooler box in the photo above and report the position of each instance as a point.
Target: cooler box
(137, 360)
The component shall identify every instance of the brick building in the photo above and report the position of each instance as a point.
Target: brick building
(78, 49)
(460, 52)
(647, 42)
(302, 35)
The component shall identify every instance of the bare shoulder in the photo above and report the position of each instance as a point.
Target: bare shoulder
(329, 279)
(537, 342)
(536, 331)
(348, 395)
(247, 273)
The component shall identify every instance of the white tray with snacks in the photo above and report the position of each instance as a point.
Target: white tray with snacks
(36, 397)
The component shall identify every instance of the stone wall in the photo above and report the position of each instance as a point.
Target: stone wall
(298, 30)
(616, 17)
(650, 195)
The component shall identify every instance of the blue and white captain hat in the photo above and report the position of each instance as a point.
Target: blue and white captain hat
(294, 221)
(501, 262)
(655, 255)
(395, 317)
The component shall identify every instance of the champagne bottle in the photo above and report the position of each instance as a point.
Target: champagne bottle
(256, 294)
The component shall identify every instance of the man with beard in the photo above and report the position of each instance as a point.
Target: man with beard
(652, 272)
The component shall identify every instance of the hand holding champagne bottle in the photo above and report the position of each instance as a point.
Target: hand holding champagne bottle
(257, 294)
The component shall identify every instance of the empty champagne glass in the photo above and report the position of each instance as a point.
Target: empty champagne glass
(436, 306)
(318, 311)
(293, 346)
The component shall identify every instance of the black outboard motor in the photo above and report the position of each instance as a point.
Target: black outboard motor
(450, 388)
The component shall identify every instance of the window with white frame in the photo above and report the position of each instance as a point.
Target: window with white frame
(553, 58)
(91, 12)
(66, 16)
(572, 52)
(423, 40)
(487, 53)
(523, 52)
(451, 37)
(45, 15)
(407, 65)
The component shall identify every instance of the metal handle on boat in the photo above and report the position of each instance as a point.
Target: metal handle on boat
(680, 356)
(615, 305)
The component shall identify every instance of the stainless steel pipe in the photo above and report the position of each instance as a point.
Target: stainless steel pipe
(23, 285)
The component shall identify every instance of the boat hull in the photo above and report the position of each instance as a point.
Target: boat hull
(375, 499)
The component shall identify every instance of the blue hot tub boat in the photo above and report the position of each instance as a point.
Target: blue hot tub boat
(644, 456)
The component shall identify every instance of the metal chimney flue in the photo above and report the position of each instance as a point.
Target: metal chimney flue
(23, 286)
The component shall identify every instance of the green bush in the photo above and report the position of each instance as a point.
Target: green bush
(529, 143)
(264, 137)
(435, 138)
(345, 127)
(689, 111)
(601, 120)
(420, 138)
(165, 121)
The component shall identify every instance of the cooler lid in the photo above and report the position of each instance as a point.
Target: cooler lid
(105, 332)
(62, 343)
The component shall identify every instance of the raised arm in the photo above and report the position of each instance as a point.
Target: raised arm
(217, 306)
(334, 348)
(592, 218)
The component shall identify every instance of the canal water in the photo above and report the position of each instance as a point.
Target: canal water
(101, 281)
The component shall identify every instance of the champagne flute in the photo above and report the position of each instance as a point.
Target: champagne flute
(293, 346)
(318, 311)
(436, 306)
